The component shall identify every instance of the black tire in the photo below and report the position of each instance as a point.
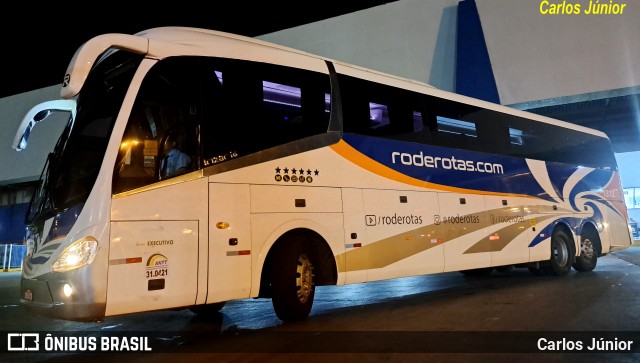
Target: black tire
(292, 282)
(208, 309)
(484, 271)
(588, 258)
(562, 254)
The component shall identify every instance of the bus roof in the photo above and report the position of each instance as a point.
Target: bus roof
(149, 41)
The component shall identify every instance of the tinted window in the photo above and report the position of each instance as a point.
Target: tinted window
(214, 110)
(250, 106)
(166, 112)
(375, 109)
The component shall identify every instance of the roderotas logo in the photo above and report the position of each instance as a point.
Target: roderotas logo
(451, 163)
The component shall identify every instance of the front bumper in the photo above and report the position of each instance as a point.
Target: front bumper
(45, 296)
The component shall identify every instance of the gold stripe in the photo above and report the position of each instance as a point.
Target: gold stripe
(505, 234)
(392, 249)
(395, 248)
(387, 251)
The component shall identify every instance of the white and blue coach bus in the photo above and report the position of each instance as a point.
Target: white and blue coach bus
(302, 172)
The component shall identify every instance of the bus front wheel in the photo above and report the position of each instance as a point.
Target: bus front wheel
(561, 254)
(292, 281)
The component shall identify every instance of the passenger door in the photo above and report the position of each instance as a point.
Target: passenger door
(229, 242)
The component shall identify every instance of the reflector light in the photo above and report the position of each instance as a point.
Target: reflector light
(67, 290)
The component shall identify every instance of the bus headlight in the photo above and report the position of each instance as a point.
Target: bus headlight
(79, 253)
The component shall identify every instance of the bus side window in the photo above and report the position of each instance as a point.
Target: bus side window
(316, 104)
(293, 103)
(177, 155)
(356, 111)
(294, 107)
(166, 103)
(280, 104)
(232, 96)
(374, 109)
(137, 157)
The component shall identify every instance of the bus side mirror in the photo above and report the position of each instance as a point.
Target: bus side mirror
(39, 113)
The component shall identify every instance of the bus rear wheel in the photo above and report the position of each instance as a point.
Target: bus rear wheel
(562, 255)
(588, 255)
(292, 281)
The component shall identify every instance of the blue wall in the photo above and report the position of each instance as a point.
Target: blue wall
(474, 75)
(12, 228)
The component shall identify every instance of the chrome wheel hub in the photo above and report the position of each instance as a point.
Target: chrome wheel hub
(304, 278)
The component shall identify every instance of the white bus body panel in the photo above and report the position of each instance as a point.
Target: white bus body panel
(283, 199)
(152, 265)
(511, 229)
(354, 233)
(618, 230)
(230, 247)
(399, 241)
(463, 219)
(168, 222)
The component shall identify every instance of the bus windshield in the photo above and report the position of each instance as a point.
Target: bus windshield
(72, 168)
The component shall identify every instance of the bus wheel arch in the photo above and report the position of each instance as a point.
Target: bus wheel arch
(562, 251)
(297, 262)
(590, 249)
